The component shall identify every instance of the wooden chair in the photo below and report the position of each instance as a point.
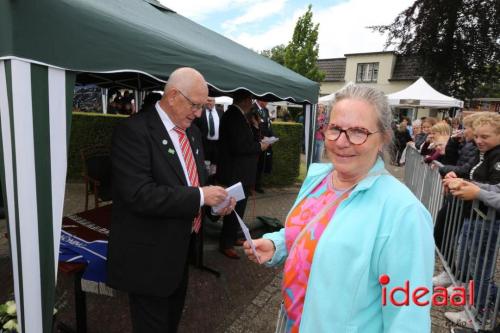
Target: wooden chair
(96, 174)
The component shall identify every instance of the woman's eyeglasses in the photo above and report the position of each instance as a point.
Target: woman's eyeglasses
(355, 135)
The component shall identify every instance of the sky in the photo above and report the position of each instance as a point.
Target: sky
(262, 24)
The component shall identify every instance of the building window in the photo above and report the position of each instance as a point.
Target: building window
(367, 72)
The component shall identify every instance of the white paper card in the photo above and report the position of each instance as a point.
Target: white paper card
(246, 233)
(270, 140)
(235, 191)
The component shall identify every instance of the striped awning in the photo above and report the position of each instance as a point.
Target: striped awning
(35, 115)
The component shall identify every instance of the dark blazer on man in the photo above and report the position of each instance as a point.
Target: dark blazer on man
(202, 122)
(153, 207)
(266, 157)
(238, 150)
(210, 147)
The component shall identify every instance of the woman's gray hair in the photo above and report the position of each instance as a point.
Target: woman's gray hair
(375, 98)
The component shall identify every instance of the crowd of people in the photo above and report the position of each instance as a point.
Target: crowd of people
(470, 166)
(467, 152)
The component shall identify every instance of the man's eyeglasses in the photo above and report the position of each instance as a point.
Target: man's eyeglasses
(194, 106)
(355, 135)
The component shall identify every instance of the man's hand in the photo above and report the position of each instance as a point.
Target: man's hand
(214, 195)
(450, 174)
(264, 146)
(264, 248)
(452, 184)
(229, 208)
(466, 191)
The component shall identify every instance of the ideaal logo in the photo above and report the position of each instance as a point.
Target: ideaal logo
(439, 297)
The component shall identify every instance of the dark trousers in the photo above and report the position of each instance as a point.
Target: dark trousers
(260, 169)
(230, 225)
(264, 165)
(210, 149)
(153, 314)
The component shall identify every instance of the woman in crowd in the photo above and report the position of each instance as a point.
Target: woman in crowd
(468, 154)
(434, 147)
(319, 136)
(427, 124)
(456, 125)
(351, 224)
(486, 171)
(418, 135)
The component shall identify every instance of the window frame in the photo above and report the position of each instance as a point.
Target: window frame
(369, 72)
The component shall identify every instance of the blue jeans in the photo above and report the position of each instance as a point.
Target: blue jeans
(319, 145)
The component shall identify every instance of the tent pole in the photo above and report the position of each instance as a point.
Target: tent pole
(309, 126)
(104, 94)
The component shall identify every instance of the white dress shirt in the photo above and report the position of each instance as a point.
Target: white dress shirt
(169, 126)
(215, 115)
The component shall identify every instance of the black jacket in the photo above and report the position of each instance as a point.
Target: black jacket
(238, 150)
(420, 139)
(202, 123)
(265, 120)
(452, 151)
(153, 208)
(488, 169)
(401, 138)
(468, 156)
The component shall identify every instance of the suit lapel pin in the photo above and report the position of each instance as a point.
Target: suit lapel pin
(171, 151)
(164, 142)
(196, 151)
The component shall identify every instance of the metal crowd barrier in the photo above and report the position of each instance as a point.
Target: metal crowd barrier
(468, 233)
(424, 181)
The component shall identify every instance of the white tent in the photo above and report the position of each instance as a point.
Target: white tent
(421, 94)
(330, 98)
(326, 99)
(225, 101)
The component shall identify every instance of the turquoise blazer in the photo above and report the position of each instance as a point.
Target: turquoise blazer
(381, 228)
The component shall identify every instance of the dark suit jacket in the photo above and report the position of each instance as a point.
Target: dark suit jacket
(202, 123)
(153, 208)
(265, 120)
(238, 151)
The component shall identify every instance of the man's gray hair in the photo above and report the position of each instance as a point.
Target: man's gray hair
(372, 96)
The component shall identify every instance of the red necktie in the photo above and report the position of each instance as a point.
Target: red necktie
(192, 171)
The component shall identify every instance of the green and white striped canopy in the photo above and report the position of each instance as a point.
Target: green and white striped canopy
(139, 37)
(35, 114)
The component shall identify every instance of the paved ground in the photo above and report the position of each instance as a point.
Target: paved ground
(244, 299)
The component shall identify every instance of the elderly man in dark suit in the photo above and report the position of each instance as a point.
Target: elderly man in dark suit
(158, 179)
(238, 155)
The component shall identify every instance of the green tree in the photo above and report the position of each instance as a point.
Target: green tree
(301, 54)
(456, 43)
(277, 53)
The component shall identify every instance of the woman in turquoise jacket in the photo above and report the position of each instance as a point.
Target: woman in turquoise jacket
(354, 234)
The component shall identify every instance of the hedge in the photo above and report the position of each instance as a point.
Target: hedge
(92, 128)
(88, 129)
(286, 154)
